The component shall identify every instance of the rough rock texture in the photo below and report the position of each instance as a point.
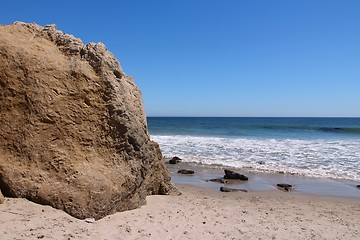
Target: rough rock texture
(73, 132)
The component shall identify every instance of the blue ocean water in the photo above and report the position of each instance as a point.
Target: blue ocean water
(320, 147)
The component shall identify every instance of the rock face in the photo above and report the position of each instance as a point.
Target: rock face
(73, 132)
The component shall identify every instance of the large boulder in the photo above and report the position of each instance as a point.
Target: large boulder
(73, 132)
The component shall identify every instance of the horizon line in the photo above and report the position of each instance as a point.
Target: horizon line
(252, 117)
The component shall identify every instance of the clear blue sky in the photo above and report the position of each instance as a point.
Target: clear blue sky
(222, 58)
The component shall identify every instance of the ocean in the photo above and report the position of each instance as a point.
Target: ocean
(315, 147)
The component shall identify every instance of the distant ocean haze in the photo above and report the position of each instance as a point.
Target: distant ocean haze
(319, 147)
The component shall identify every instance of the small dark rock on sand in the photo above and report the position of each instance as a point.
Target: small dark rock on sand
(218, 180)
(234, 175)
(184, 171)
(358, 186)
(285, 187)
(261, 162)
(174, 160)
(225, 189)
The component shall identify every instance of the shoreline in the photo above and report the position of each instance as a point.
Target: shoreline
(199, 213)
(263, 182)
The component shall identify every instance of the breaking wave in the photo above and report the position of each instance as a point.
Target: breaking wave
(309, 157)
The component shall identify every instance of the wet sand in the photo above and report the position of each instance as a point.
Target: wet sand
(264, 181)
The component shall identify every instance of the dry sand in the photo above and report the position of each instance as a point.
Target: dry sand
(196, 214)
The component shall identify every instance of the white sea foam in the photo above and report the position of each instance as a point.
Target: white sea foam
(316, 157)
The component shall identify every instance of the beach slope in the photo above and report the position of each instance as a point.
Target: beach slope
(196, 214)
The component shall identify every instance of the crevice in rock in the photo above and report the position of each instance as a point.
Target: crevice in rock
(132, 141)
(4, 186)
(117, 74)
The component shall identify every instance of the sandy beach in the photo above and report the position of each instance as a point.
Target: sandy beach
(197, 214)
(180, 120)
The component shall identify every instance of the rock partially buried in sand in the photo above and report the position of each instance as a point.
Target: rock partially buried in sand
(218, 180)
(225, 189)
(175, 160)
(285, 187)
(185, 171)
(89, 220)
(234, 175)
